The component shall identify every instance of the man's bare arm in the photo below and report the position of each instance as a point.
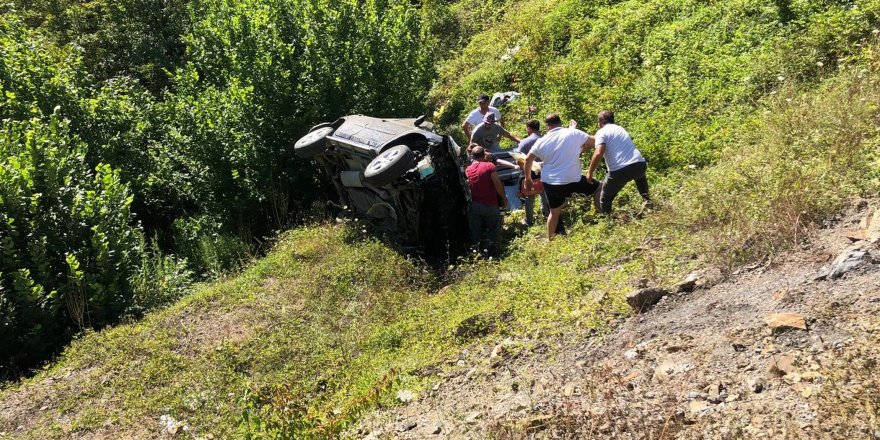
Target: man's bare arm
(512, 137)
(504, 164)
(499, 188)
(588, 145)
(466, 127)
(594, 162)
(527, 170)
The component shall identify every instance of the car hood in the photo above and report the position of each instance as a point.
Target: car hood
(377, 132)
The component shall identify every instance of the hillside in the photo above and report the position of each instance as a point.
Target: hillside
(759, 120)
(702, 364)
(332, 324)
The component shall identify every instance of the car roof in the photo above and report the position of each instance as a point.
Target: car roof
(377, 132)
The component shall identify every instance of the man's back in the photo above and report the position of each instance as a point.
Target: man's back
(526, 145)
(620, 150)
(560, 151)
(479, 178)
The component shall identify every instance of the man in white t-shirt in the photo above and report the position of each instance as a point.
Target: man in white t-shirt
(623, 159)
(476, 117)
(560, 150)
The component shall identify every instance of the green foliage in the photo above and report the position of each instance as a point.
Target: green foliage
(774, 104)
(330, 325)
(810, 153)
(67, 239)
(159, 279)
(195, 105)
(139, 39)
(35, 77)
(681, 75)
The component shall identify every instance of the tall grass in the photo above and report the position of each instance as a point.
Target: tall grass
(802, 156)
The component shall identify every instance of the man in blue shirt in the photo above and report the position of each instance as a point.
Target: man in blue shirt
(533, 128)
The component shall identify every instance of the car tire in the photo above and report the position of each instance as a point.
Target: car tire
(313, 143)
(389, 166)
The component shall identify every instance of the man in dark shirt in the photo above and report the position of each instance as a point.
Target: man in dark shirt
(533, 128)
(486, 190)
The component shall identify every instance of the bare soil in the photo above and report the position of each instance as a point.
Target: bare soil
(703, 364)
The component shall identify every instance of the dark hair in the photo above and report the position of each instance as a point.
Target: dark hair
(606, 117)
(483, 97)
(553, 119)
(534, 125)
(478, 152)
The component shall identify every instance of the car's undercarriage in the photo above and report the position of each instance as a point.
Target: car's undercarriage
(423, 205)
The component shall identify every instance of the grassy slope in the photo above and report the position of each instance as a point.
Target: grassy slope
(291, 318)
(682, 76)
(328, 324)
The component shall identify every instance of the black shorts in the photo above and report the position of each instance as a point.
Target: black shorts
(556, 194)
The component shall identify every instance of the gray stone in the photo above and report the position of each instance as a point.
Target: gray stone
(757, 384)
(849, 260)
(473, 417)
(521, 402)
(405, 396)
(407, 426)
(872, 230)
(644, 298)
(688, 284)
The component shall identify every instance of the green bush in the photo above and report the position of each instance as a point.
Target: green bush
(67, 236)
(194, 106)
(140, 39)
(681, 75)
(159, 279)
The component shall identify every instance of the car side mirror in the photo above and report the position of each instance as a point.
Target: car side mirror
(418, 122)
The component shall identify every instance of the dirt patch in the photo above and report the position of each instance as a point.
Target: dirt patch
(704, 364)
(208, 331)
(22, 411)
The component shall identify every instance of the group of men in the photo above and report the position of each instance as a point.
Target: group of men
(559, 151)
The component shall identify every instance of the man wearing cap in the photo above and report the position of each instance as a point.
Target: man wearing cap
(488, 134)
(476, 116)
(486, 189)
(624, 161)
(560, 150)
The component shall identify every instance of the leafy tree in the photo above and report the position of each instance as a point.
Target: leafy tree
(180, 115)
(140, 39)
(67, 240)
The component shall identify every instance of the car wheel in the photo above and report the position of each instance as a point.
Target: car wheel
(312, 144)
(389, 166)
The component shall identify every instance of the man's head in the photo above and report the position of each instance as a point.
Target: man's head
(489, 119)
(606, 117)
(479, 153)
(483, 101)
(533, 126)
(553, 120)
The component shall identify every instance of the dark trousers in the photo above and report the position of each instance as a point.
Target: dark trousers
(485, 222)
(615, 181)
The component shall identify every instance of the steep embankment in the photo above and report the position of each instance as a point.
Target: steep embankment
(286, 325)
(777, 350)
(331, 324)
